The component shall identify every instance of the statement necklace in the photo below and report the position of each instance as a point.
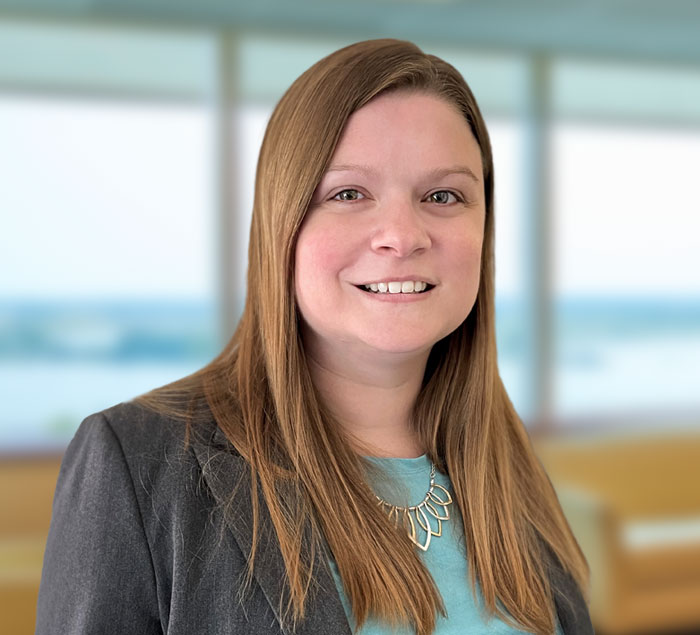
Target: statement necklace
(434, 505)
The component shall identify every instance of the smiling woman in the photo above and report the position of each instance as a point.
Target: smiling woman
(388, 256)
(350, 462)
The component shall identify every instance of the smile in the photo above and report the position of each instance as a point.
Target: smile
(407, 286)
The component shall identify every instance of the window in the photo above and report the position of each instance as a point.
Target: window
(626, 145)
(627, 256)
(107, 262)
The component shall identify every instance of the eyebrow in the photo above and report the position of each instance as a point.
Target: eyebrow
(438, 173)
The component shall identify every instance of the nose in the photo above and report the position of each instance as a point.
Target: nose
(400, 230)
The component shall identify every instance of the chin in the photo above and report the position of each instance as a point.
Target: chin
(402, 346)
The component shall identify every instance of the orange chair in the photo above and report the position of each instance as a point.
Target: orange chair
(26, 494)
(634, 505)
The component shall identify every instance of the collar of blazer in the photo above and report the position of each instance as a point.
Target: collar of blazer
(226, 472)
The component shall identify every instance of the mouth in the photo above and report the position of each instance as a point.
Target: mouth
(408, 287)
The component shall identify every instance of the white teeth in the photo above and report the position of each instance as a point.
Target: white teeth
(408, 286)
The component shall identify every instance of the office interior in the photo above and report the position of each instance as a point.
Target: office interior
(128, 139)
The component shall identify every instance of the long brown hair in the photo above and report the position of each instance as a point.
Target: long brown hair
(260, 392)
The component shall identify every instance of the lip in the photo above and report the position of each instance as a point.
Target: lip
(397, 297)
(412, 278)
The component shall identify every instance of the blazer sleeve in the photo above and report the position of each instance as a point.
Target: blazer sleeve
(98, 574)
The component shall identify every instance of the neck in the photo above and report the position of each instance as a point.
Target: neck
(372, 398)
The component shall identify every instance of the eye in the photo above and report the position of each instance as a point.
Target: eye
(443, 197)
(348, 195)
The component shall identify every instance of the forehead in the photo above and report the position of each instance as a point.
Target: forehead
(408, 130)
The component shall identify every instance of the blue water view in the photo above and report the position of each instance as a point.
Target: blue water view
(61, 361)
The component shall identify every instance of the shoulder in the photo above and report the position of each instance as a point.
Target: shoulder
(137, 539)
(103, 525)
(143, 436)
(162, 457)
(137, 430)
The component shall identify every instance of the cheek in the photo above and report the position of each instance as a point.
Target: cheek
(465, 251)
(316, 258)
(466, 259)
(319, 260)
(473, 255)
(324, 249)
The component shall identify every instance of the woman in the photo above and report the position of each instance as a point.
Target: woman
(351, 461)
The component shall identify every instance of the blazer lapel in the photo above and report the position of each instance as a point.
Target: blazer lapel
(572, 611)
(226, 473)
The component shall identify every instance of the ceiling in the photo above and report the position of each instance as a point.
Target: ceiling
(667, 31)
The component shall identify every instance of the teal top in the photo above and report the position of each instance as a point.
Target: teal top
(407, 484)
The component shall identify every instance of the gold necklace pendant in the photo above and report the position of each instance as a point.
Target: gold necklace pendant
(434, 505)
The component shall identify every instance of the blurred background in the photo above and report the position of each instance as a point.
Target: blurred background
(129, 134)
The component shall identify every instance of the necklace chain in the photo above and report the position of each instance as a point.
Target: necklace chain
(434, 505)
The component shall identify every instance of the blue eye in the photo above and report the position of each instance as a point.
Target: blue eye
(443, 197)
(348, 195)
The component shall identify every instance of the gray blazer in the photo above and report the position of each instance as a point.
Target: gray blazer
(139, 543)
